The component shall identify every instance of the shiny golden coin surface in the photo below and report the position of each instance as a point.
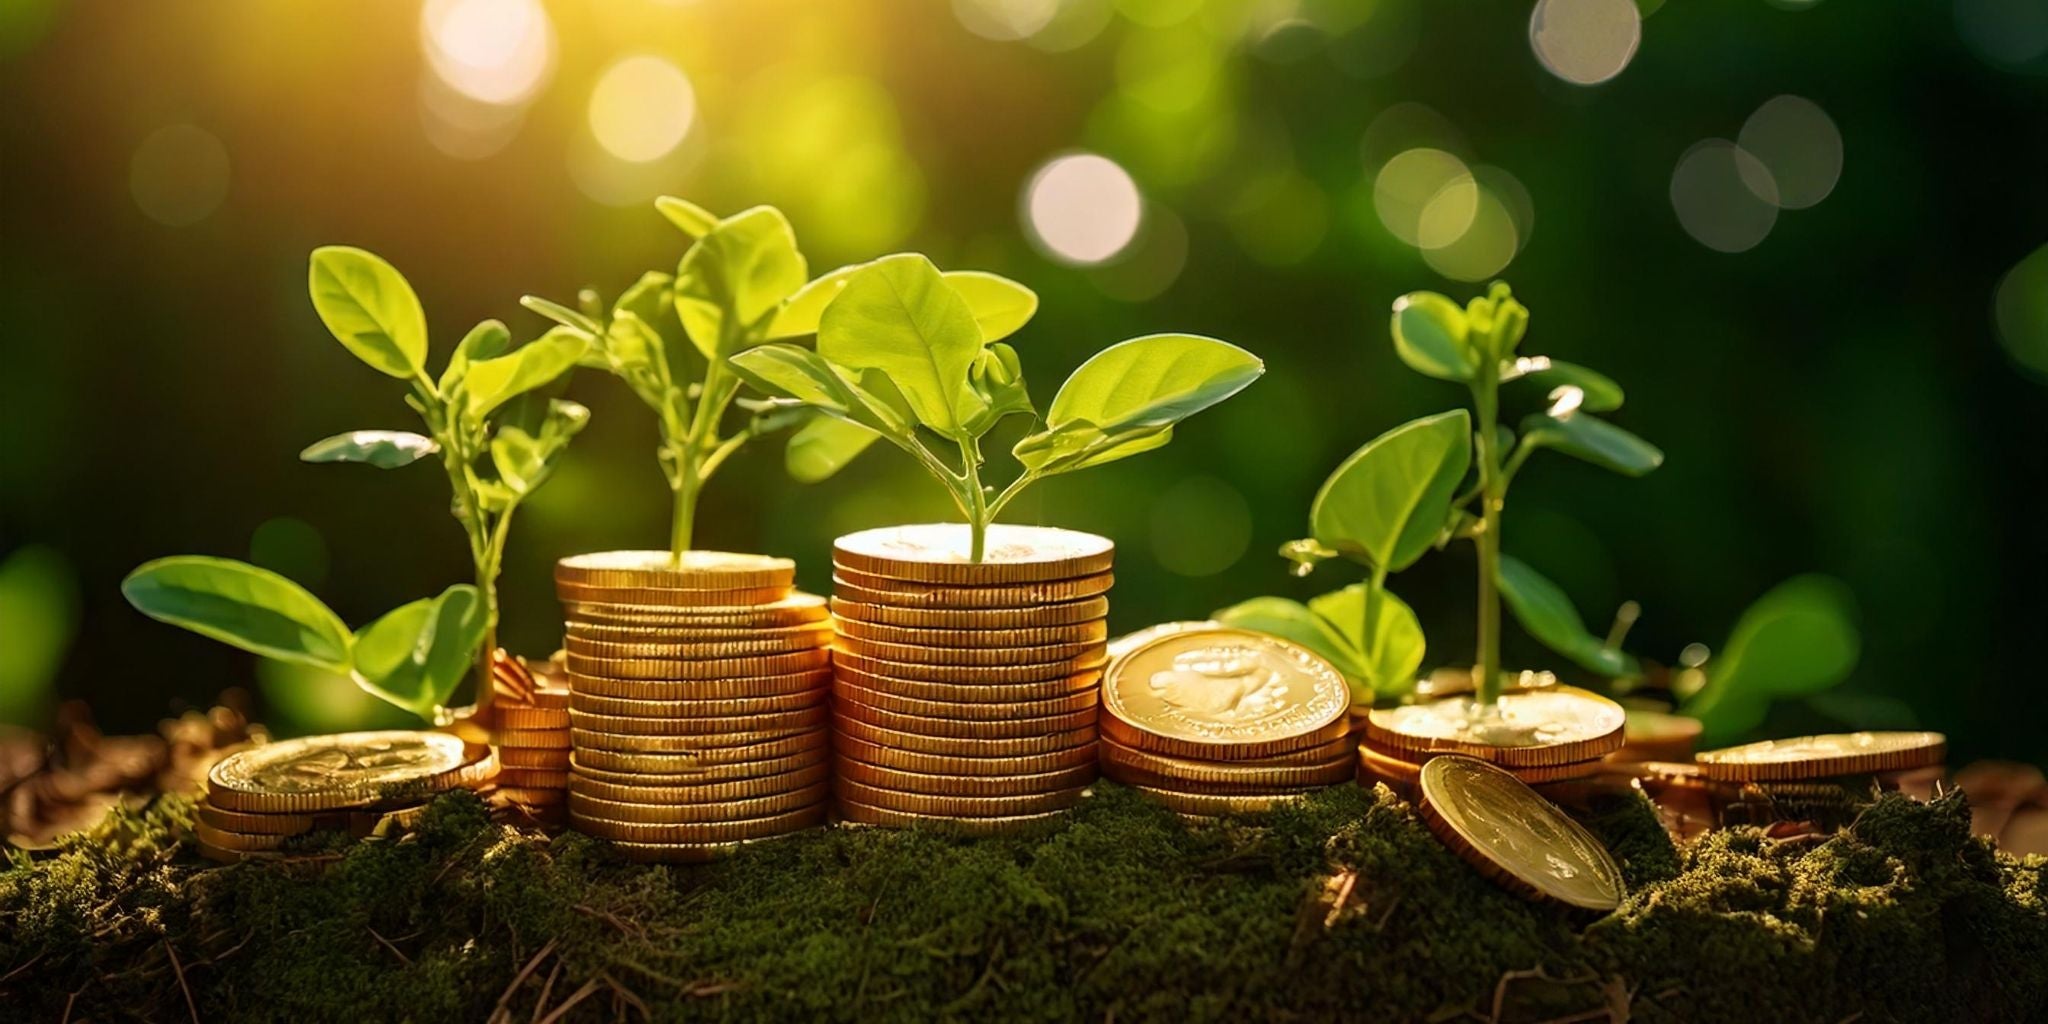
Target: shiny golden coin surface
(582, 806)
(967, 656)
(1225, 687)
(514, 717)
(1131, 736)
(1002, 674)
(1010, 728)
(533, 778)
(1343, 747)
(962, 746)
(797, 609)
(671, 597)
(1093, 631)
(238, 841)
(1512, 835)
(1129, 642)
(854, 813)
(354, 769)
(866, 589)
(1059, 613)
(1555, 725)
(698, 570)
(1407, 773)
(711, 791)
(720, 707)
(697, 650)
(699, 832)
(257, 824)
(697, 774)
(921, 689)
(1818, 757)
(794, 638)
(702, 689)
(1218, 805)
(739, 761)
(942, 553)
(532, 757)
(1019, 785)
(682, 853)
(590, 739)
(1126, 764)
(705, 725)
(672, 670)
(552, 738)
(850, 791)
(942, 764)
(965, 710)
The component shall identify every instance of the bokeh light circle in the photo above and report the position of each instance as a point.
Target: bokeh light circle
(2009, 34)
(642, 108)
(292, 547)
(1200, 526)
(1724, 196)
(492, 51)
(1484, 248)
(1798, 143)
(1151, 264)
(1082, 208)
(1005, 20)
(1425, 197)
(179, 175)
(2021, 311)
(1585, 42)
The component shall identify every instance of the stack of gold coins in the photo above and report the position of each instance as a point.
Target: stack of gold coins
(258, 799)
(1824, 779)
(1551, 734)
(532, 714)
(965, 690)
(1214, 721)
(697, 703)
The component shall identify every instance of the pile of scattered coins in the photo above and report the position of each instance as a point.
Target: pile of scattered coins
(1213, 721)
(697, 704)
(1545, 735)
(966, 691)
(532, 714)
(365, 783)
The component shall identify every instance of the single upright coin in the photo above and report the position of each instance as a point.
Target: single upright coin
(695, 570)
(940, 553)
(1517, 838)
(1225, 688)
(1824, 756)
(354, 769)
(1555, 725)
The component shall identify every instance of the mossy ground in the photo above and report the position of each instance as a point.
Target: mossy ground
(1345, 908)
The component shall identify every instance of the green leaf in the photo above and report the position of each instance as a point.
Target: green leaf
(1391, 645)
(1386, 504)
(1292, 620)
(518, 458)
(634, 353)
(652, 300)
(735, 277)
(487, 339)
(239, 604)
(560, 314)
(1430, 334)
(689, 218)
(1594, 440)
(1081, 445)
(384, 449)
(823, 446)
(898, 316)
(1543, 608)
(368, 306)
(791, 372)
(1602, 394)
(1001, 306)
(537, 363)
(417, 654)
(799, 316)
(1127, 398)
(1795, 641)
(997, 380)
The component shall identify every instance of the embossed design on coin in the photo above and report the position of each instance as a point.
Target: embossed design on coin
(1511, 834)
(1225, 685)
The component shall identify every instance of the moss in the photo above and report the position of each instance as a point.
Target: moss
(1341, 907)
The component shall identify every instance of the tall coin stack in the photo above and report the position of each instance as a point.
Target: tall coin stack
(532, 713)
(966, 690)
(697, 705)
(1215, 721)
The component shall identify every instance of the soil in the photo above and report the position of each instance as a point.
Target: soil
(1343, 908)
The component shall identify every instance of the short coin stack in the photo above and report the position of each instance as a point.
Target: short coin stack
(1215, 721)
(532, 713)
(1824, 779)
(697, 705)
(257, 800)
(1546, 735)
(965, 690)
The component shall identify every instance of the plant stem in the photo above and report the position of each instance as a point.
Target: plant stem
(977, 501)
(694, 461)
(1492, 495)
(1374, 587)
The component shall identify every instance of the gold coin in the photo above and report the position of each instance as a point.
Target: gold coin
(356, 769)
(1225, 689)
(1092, 631)
(846, 691)
(866, 589)
(1408, 773)
(699, 570)
(942, 764)
(1342, 747)
(1000, 674)
(966, 656)
(667, 670)
(532, 757)
(1059, 613)
(1015, 728)
(697, 650)
(850, 791)
(862, 814)
(701, 791)
(533, 778)
(533, 796)
(256, 824)
(1219, 805)
(671, 597)
(1131, 736)
(964, 785)
(920, 689)
(941, 552)
(707, 725)
(1819, 757)
(962, 746)
(223, 855)
(586, 739)
(794, 638)
(1125, 764)
(547, 695)
(238, 841)
(797, 609)
(1554, 725)
(739, 760)
(723, 707)
(584, 807)
(702, 689)
(1129, 642)
(553, 738)
(699, 832)
(699, 774)
(515, 717)
(1499, 825)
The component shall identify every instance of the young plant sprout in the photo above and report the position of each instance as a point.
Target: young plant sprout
(1407, 491)
(742, 283)
(498, 436)
(915, 357)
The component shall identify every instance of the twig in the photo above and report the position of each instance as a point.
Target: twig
(567, 1004)
(395, 951)
(546, 990)
(627, 994)
(190, 1006)
(501, 1010)
(9, 976)
(613, 919)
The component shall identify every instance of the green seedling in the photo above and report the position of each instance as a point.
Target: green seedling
(742, 283)
(915, 357)
(497, 434)
(1446, 477)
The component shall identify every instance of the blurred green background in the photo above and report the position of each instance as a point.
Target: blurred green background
(1806, 236)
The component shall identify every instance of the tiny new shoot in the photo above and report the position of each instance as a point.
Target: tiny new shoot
(914, 356)
(742, 283)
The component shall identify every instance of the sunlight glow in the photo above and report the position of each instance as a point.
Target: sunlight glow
(1724, 196)
(1585, 42)
(1082, 208)
(492, 51)
(642, 108)
(1426, 197)
(1797, 141)
(179, 175)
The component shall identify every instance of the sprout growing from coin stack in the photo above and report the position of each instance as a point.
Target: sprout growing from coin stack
(968, 655)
